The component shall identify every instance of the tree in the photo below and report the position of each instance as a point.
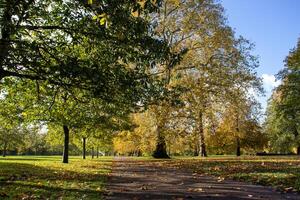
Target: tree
(33, 140)
(11, 120)
(91, 46)
(82, 114)
(283, 114)
(40, 41)
(210, 64)
(239, 130)
(188, 27)
(10, 138)
(140, 139)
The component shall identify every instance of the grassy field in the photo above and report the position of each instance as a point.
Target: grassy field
(37, 177)
(283, 173)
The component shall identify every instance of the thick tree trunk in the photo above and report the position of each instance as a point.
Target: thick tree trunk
(97, 153)
(202, 145)
(93, 153)
(139, 153)
(4, 150)
(203, 151)
(83, 148)
(161, 147)
(66, 144)
(238, 147)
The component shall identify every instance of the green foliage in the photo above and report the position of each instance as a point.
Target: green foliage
(283, 113)
(59, 43)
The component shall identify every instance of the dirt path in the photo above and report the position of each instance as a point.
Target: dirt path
(137, 180)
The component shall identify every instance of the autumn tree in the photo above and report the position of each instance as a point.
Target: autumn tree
(187, 26)
(141, 138)
(239, 130)
(210, 62)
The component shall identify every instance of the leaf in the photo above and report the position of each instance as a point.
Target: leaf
(135, 13)
(102, 21)
(142, 3)
(90, 1)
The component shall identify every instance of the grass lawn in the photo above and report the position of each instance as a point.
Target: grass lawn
(45, 177)
(281, 172)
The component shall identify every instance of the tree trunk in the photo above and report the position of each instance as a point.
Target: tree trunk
(238, 147)
(203, 152)
(139, 153)
(66, 144)
(4, 150)
(196, 146)
(202, 145)
(83, 147)
(196, 151)
(238, 141)
(296, 135)
(97, 153)
(93, 153)
(160, 150)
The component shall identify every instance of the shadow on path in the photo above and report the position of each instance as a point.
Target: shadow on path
(137, 180)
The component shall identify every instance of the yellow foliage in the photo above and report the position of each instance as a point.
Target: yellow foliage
(141, 139)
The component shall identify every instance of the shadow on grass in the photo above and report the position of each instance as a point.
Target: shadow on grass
(21, 178)
(50, 191)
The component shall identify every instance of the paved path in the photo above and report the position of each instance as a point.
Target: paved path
(138, 180)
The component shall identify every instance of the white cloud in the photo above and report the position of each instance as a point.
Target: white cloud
(270, 82)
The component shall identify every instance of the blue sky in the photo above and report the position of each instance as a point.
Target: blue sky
(272, 25)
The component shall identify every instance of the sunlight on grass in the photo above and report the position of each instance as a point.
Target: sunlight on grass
(281, 172)
(35, 177)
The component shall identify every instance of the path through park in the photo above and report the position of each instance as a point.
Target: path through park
(137, 180)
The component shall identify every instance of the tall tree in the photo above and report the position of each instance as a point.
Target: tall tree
(210, 61)
(240, 126)
(95, 46)
(187, 26)
(283, 115)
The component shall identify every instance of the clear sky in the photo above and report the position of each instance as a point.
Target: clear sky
(272, 25)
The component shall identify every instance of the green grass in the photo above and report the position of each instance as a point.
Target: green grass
(45, 177)
(282, 172)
